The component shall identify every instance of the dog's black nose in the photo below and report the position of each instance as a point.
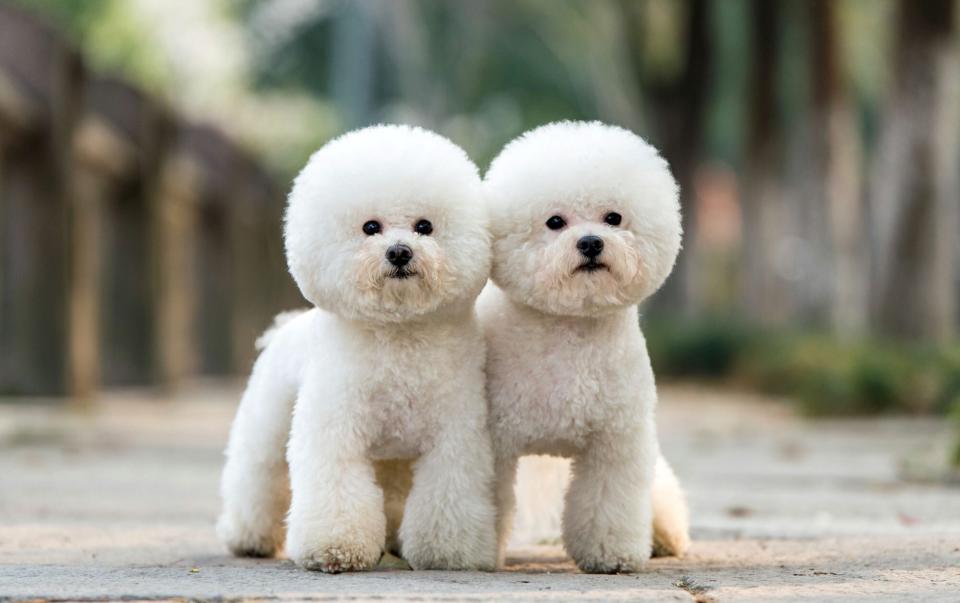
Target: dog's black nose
(591, 246)
(399, 255)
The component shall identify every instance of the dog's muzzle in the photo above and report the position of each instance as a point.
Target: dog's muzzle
(591, 265)
(399, 255)
(402, 273)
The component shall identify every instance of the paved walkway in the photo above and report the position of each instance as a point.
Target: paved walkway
(119, 503)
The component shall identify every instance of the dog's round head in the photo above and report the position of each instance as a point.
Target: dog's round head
(585, 219)
(387, 224)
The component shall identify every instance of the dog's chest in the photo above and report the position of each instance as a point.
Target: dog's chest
(398, 395)
(551, 389)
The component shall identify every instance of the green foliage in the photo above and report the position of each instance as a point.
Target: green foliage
(75, 17)
(948, 397)
(824, 375)
(955, 416)
(111, 37)
(831, 378)
(479, 72)
(707, 349)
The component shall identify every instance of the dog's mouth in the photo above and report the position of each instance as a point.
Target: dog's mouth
(402, 274)
(591, 265)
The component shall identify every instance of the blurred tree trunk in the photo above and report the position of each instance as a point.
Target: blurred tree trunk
(353, 63)
(915, 184)
(763, 296)
(836, 174)
(679, 116)
(686, 117)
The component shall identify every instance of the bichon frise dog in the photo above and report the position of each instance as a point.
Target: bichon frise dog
(386, 235)
(586, 224)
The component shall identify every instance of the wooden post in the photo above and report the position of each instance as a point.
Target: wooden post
(216, 161)
(132, 249)
(122, 141)
(87, 232)
(246, 248)
(42, 75)
(173, 222)
(259, 266)
(219, 285)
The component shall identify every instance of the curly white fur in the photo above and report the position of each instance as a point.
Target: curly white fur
(380, 388)
(568, 371)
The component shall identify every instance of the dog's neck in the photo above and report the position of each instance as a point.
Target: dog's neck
(450, 315)
(606, 321)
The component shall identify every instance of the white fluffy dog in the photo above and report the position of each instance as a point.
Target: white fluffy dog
(586, 224)
(386, 234)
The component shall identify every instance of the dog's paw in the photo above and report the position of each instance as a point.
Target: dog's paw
(389, 561)
(447, 557)
(337, 558)
(670, 548)
(612, 564)
(433, 562)
(245, 540)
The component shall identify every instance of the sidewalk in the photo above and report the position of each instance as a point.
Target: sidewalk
(120, 503)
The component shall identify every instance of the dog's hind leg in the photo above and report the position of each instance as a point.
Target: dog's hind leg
(506, 500)
(255, 486)
(671, 515)
(395, 477)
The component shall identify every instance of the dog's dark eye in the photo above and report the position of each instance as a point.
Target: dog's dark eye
(423, 227)
(556, 222)
(371, 228)
(613, 219)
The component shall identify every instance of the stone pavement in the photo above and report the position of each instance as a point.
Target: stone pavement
(119, 502)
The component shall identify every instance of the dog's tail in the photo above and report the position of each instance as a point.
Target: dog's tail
(671, 516)
(278, 321)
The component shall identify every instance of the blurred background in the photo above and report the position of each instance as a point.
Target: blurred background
(806, 345)
(145, 152)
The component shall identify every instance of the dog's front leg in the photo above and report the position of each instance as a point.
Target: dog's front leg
(336, 521)
(448, 522)
(607, 515)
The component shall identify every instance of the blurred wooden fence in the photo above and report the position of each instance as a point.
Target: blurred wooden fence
(135, 248)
